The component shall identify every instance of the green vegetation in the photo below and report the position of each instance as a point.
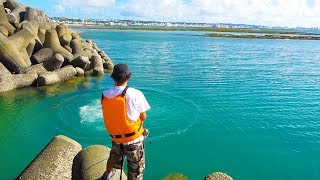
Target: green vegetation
(265, 36)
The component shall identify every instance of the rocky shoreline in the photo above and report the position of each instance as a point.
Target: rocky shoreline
(37, 51)
(64, 158)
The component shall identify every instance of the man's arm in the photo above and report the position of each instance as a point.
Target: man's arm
(143, 116)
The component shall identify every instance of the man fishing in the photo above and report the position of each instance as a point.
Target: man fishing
(124, 111)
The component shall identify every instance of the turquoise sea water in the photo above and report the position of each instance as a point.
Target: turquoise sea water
(250, 108)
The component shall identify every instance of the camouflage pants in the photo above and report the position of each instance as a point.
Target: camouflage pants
(135, 159)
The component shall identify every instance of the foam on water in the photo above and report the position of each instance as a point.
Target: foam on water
(91, 112)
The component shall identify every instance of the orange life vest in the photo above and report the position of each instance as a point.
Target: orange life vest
(116, 120)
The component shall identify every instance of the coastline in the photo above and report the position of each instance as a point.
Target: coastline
(216, 32)
(180, 29)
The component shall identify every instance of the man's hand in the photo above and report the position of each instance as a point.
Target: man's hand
(143, 116)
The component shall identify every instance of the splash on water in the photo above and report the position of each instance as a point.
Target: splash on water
(91, 113)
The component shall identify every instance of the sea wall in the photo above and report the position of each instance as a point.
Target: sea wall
(64, 158)
(39, 50)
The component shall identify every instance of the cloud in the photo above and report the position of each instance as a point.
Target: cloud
(270, 12)
(154, 8)
(83, 8)
(87, 3)
(264, 12)
(59, 9)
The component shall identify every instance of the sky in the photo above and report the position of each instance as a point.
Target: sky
(289, 13)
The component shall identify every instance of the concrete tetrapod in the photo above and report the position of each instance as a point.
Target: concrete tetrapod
(16, 14)
(54, 62)
(82, 62)
(64, 34)
(61, 30)
(52, 41)
(38, 46)
(24, 80)
(77, 49)
(5, 79)
(11, 4)
(9, 81)
(90, 163)
(20, 42)
(56, 76)
(68, 48)
(80, 72)
(4, 20)
(75, 35)
(42, 55)
(37, 69)
(4, 31)
(65, 39)
(218, 176)
(10, 49)
(97, 66)
(43, 20)
(33, 14)
(108, 66)
(30, 48)
(54, 161)
(33, 25)
(32, 19)
(42, 35)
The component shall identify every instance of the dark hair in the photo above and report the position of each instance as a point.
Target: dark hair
(120, 73)
(120, 78)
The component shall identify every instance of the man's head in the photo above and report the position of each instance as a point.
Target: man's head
(121, 73)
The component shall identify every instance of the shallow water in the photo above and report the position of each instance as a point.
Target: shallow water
(250, 108)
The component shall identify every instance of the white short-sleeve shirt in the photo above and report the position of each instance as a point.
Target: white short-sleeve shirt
(136, 102)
